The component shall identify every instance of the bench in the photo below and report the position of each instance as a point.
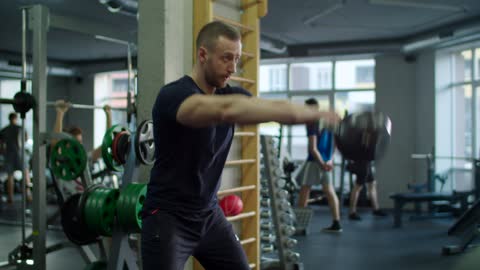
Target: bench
(400, 199)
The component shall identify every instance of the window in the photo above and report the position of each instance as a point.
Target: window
(120, 85)
(110, 88)
(462, 121)
(462, 66)
(364, 74)
(311, 76)
(476, 152)
(477, 64)
(354, 101)
(300, 80)
(355, 74)
(273, 78)
(457, 115)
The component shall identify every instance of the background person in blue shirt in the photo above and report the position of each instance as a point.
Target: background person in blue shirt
(317, 167)
(193, 121)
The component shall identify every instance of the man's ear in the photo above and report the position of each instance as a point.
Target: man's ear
(202, 54)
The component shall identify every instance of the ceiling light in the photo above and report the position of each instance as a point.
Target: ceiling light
(331, 9)
(416, 4)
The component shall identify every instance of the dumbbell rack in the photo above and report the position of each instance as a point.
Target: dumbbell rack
(266, 226)
(280, 210)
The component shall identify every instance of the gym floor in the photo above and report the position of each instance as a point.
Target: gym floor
(368, 244)
(373, 243)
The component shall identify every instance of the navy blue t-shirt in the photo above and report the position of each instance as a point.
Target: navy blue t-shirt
(189, 161)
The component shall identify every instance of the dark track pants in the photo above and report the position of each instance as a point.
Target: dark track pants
(169, 238)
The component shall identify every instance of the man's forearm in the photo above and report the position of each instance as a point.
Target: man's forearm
(57, 128)
(317, 157)
(254, 111)
(109, 121)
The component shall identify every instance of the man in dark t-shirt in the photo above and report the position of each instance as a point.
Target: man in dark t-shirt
(11, 142)
(193, 121)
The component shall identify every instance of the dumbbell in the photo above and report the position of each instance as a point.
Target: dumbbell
(363, 136)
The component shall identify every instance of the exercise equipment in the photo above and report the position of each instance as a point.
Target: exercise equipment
(466, 228)
(363, 136)
(280, 212)
(99, 210)
(427, 193)
(68, 159)
(231, 205)
(120, 147)
(85, 106)
(22, 103)
(400, 199)
(73, 223)
(129, 205)
(40, 23)
(107, 147)
(117, 142)
(144, 144)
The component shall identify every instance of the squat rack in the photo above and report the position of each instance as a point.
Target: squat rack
(39, 21)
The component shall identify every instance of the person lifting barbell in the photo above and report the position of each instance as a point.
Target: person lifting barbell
(69, 188)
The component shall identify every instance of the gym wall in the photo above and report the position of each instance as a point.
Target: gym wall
(405, 91)
(395, 95)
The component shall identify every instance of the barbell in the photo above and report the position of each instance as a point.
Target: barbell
(68, 159)
(85, 106)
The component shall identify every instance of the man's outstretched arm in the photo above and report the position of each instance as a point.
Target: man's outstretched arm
(202, 110)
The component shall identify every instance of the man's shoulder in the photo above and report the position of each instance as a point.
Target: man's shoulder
(176, 87)
(10, 128)
(184, 81)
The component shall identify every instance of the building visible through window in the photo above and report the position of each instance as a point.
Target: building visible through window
(364, 74)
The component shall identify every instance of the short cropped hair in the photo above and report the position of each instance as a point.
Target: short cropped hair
(12, 116)
(210, 32)
(311, 101)
(74, 131)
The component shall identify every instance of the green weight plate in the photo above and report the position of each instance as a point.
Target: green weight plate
(94, 210)
(107, 211)
(122, 206)
(132, 201)
(139, 205)
(90, 211)
(129, 206)
(83, 199)
(68, 159)
(107, 151)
